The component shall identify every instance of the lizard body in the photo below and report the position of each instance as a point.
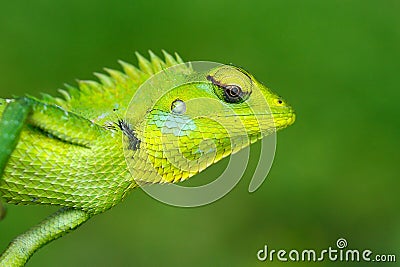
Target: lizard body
(68, 151)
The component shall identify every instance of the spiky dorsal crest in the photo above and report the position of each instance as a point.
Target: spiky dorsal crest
(94, 99)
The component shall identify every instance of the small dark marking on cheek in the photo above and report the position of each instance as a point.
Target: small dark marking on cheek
(134, 142)
(111, 126)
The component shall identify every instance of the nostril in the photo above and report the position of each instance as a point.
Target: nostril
(280, 101)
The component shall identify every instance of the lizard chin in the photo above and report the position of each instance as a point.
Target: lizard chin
(282, 121)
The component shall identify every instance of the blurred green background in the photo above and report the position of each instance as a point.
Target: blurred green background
(334, 175)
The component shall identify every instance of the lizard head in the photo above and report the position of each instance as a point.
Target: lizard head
(250, 99)
(204, 119)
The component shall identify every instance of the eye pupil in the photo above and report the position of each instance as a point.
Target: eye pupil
(233, 91)
(230, 93)
(280, 101)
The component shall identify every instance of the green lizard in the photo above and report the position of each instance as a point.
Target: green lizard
(69, 151)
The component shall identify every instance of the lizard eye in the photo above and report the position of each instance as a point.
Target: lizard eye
(232, 93)
(231, 84)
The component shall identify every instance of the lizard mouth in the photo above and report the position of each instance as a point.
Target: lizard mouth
(271, 120)
(283, 120)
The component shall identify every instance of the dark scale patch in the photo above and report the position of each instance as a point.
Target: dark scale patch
(134, 142)
(111, 126)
